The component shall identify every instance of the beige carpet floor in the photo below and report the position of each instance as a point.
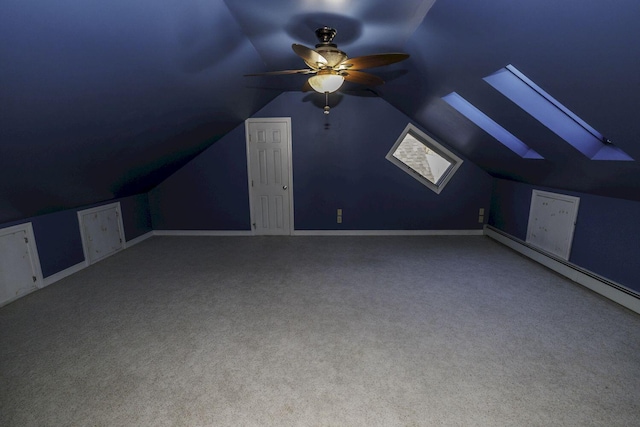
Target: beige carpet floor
(318, 331)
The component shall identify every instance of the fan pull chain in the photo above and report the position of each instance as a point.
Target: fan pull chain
(326, 103)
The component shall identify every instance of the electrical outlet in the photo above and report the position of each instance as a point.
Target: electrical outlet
(481, 219)
(481, 211)
(339, 212)
(339, 220)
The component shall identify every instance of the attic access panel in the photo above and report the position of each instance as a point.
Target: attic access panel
(20, 271)
(102, 231)
(424, 158)
(552, 221)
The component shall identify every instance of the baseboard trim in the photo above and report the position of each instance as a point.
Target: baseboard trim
(12, 299)
(139, 239)
(202, 233)
(49, 280)
(388, 233)
(64, 273)
(601, 285)
(324, 233)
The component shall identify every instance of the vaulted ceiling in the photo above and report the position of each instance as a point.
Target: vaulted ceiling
(106, 99)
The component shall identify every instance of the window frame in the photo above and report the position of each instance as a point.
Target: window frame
(432, 144)
(551, 113)
(491, 127)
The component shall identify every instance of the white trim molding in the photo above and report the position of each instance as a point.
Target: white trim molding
(601, 285)
(202, 233)
(388, 233)
(49, 280)
(139, 239)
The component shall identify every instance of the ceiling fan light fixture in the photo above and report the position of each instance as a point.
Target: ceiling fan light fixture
(326, 82)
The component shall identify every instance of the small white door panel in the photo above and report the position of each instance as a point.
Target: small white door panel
(19, 263)
(102, 231)
(552, 220)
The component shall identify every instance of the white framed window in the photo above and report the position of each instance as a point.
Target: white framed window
(424, 158)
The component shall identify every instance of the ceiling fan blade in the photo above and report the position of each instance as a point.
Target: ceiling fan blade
(275, 73)
(371, 61)
(310, 56)
(361, 78)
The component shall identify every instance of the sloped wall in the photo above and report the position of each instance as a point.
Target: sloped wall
(209, 193)
(605, 239)
(338, 162)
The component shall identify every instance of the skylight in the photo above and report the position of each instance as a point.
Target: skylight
(492, 128)
(551, 113)
(423, 158)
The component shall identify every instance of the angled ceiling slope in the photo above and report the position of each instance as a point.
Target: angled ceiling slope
(106, 99)
(362, 27)
(584, 54)
(103, 100)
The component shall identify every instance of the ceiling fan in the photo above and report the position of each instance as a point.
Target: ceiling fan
(329, 67)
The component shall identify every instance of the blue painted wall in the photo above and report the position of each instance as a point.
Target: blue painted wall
(136, 216)
(338, 162)
(59, 241)
(209, 193)
(605, 239)
(58, 234)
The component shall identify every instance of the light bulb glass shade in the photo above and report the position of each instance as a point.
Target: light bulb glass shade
(326, 82)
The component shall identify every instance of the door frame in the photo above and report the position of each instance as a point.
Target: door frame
(287, 121)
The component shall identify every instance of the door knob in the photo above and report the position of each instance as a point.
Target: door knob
(284, 187)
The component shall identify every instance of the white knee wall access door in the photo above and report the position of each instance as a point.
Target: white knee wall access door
(20, 271)
(102, 231)
(552, 220)
(270, 175)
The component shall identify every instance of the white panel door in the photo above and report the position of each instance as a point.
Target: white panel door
(19, 266)
(269, 158)
(102, 232)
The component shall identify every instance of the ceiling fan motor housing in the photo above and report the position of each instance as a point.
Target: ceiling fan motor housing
(327, 48)
(325, 35)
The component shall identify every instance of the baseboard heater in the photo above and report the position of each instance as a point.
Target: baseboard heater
(609, 289)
